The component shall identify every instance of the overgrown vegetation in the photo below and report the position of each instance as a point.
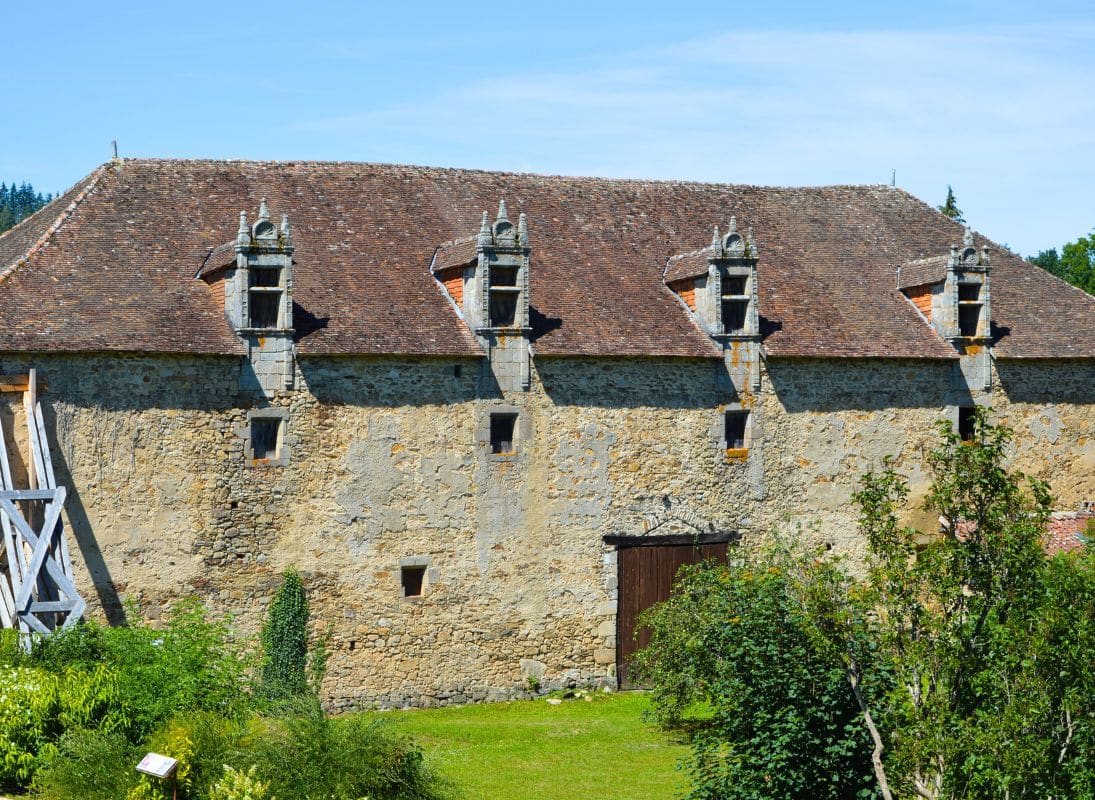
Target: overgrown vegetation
(81, 707)
(1075, 263)
(959, 668)
(285, 641)
(19, 202)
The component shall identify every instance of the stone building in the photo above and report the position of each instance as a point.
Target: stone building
(459, 425)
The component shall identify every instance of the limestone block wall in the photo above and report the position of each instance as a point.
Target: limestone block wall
(388, 466)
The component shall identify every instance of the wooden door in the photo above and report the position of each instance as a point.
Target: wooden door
(646, 576)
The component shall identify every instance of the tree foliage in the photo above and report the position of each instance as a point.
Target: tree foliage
(1075, 263)
(285, 640)
(19, 202)
(950, 207)
(967, 663)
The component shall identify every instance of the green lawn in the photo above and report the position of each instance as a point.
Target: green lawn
(530, 750)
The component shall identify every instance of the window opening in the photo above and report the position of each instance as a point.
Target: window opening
(264, 309)
(968, 318)
(969, 292)
(265, 433)
(412, 580)
(502, 427)
(503, 276)
(965, 423)
(265, 276)
(734, 284)
(733, 315)
(503, 308)
(736, 423)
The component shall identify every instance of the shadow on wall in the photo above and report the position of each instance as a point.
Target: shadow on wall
(633, 382)
(1048, 381)
(81, 531)
(394, 381)
(847, 384)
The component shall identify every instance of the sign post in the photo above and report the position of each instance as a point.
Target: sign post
(161, 767)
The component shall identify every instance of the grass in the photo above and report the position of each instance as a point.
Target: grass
(600, 750)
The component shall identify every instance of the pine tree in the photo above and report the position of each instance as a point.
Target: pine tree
(19, 202)
(950, 207)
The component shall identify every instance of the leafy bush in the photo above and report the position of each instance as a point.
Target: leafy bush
(285, 640)
(37, 707)
(309, 756)
(192, 664)
(89, 765)
(770, 716)
(236, 785)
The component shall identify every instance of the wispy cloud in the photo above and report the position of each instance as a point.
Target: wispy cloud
(989, 110)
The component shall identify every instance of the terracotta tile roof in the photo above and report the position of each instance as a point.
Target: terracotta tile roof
(1066, 530)
(686, 265)
(456, 254)
(115, 270)
(922, 271)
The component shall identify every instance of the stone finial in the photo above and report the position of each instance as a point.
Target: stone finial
(522, 230)
(716, 239)
(504, 233)
(967, 237)
(285, 226)
(264, 212)
(733, 226)
(985, 254)
(243, 235)
(484, 230)
(750, 242)
(502, 211)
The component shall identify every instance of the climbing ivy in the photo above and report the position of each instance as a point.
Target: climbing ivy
(285, 640)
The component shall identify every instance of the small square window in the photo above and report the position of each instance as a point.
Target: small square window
(968, 319)
(502, 429)
(503, 309)
(413, 580)
(965, 423)
(503, 276)
(969, 292)
(734, 284)
(265, 309)
(265, 438)
(736, 424)
(733, 315)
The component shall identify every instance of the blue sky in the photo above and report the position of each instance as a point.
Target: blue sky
(996, 99)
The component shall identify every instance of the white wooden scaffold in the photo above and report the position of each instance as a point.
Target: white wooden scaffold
(37, 590)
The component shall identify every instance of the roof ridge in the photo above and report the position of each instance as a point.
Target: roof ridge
(58, 223)
(509, 173)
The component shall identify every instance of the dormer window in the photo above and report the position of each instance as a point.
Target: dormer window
(264, 297)
(735, 303)
(969, 308)
(504, 296)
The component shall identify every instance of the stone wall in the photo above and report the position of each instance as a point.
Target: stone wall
(388, 465)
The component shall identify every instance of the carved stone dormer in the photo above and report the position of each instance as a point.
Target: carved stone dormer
(487, 278)
(258, 301)
(719, 285)
(964, 313)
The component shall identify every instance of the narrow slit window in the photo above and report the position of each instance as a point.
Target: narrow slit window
(265, 434)
(965, 423)
(733, 315)
(413, 580)
(265, 308)
(736, 424)
(503, 308)
(969, 316)
(502, 429)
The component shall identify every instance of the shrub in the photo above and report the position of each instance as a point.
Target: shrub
(236, 785)
(89, 765)
(37, 707)
(193, 664)
(285, 640)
